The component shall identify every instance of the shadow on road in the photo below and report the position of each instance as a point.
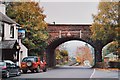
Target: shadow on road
(72, 67)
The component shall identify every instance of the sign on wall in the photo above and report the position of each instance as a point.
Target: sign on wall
(21, 33)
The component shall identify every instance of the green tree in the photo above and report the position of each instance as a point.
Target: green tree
(58, 56)
(105, 22)
(64, 53)
(106, 26)
(30, 16)
(112, 47)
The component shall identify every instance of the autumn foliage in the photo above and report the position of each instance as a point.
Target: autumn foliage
(106, 25)
(31, 18)
(84, 53)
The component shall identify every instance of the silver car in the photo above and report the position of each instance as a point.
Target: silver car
(8, 68)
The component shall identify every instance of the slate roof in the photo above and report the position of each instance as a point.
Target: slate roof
(6, 19)
(7, 44)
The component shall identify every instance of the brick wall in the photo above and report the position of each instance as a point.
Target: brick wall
(73, 29)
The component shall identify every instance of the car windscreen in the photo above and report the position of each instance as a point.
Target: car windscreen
(28, 59)
(2, 64)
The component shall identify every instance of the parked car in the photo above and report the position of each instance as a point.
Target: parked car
(33, 63)
(8, 68)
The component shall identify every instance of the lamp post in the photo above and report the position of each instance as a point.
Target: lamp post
(17, 52)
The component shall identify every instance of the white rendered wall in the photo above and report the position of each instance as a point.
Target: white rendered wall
(24, 51)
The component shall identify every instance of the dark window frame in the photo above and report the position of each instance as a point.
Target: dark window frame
(2, 30)
(11, 31)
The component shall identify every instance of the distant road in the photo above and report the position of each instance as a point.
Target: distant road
(69, 72)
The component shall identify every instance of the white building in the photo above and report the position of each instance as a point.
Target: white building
(10, 46)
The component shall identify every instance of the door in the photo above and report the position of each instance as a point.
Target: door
(13, 69)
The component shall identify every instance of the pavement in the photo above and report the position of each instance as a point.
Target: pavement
(108, 69)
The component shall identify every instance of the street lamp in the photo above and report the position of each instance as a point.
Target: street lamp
(17, 52)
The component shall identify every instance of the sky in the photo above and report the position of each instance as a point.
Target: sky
(68, 0)
(69, 12)
(71, 47)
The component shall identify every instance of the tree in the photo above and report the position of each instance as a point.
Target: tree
(106, 28)
(83, 53)
(58, 56)
(30, 16)
(105, 22)
(64, 53)
(61, 56)
(112, 47)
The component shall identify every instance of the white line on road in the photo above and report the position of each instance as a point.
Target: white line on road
(92, 73)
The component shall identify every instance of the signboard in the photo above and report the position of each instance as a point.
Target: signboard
(21, 33)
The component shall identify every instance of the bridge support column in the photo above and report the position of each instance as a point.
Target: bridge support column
(98, 56)
(51, 59)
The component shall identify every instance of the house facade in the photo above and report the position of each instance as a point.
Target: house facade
(11, 47)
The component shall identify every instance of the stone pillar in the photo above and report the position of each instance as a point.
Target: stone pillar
(80, 34)
(98, 55)
(60, 35)
(51, 60)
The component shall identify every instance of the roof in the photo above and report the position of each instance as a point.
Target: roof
(6, 19)
(69, 24)
(7, 44)
(32, 57)
(8, 61)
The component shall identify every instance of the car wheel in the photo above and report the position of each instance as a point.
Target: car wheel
(18, 73)
(29, 63)
(24, 71)
(45, 69)
(32, 71)
(38, 69)
(7, 74)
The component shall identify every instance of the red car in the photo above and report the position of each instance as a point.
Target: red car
(33, 63)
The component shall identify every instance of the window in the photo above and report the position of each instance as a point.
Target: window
(1, 30)
(12, 31)
(27, 59)
(2, 64)
(36, 59)
(8, 64)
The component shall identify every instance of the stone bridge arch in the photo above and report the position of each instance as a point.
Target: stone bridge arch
(60, 33)
(55, 43)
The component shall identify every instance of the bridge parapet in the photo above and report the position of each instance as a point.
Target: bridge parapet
(75, 34)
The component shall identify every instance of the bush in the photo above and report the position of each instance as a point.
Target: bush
(113, 64)
(101, 65)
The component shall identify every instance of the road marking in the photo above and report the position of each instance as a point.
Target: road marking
(92, 73)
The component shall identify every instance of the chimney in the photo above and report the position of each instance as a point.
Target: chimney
(2, 8)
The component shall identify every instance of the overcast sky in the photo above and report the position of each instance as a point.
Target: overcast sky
(71, 46)
(69, 12)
